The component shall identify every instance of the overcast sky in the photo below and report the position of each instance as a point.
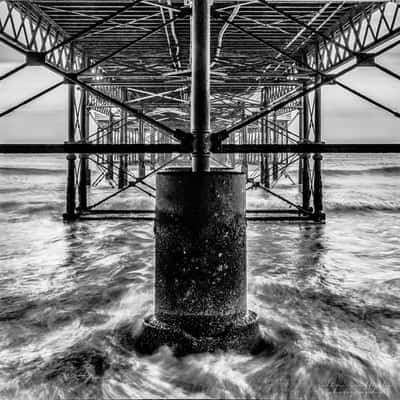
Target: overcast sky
(346, 118)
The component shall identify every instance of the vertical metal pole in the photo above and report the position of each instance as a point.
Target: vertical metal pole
(231, 156)
(98, 127)
(71, 189)
(287, 142)
(83, 172)
(318, 206)
(110, 159)
(267, 177)
(200, 104)
(141, 163)
(123, 158)
(306, 167)
(301, 137)
(245, 166)
(275, 156)
(152, 140)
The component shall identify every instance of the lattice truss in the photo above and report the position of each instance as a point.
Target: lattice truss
(145, 46)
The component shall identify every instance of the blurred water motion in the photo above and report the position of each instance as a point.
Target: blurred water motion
(328, 295)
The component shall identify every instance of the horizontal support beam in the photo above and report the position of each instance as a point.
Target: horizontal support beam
(289, 218)
(132, 211)
(86, 148)
(310, 148)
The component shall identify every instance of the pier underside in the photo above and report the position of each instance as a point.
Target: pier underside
(127, 67)
(197, 85)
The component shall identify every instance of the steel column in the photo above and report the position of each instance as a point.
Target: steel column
(306, 168)
(200, 104)
(123, 159)
(301, 138)
(264, 158)
(245, 165)
(141, 160)
(110, 158)
(317, 196)
(152, 140)
(275, 156)
(71, 189)
(84, 162)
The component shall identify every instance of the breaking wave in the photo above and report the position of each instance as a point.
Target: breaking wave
(31, 171)
(360, 205)
(393, 170)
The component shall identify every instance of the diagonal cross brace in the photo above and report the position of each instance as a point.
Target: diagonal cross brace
(179, 135)
(223, 134)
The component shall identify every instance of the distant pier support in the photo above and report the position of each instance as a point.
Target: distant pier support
(318, 201)
(305, 164)
(110, 140)
(141, 163)
(200, 230)
(70, 212)
(84, 161)
(264, 157)
(275, 162)
(123, 158)
(245, 164)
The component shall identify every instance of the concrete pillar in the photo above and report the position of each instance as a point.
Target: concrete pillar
(71, 188)
(201, 283)
(200, 101)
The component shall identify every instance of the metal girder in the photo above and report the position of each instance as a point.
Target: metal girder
(300, 148)
(29, 29)
(362, 30)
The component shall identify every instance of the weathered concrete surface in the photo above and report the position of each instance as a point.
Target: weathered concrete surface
(200, 231)
(200, 277)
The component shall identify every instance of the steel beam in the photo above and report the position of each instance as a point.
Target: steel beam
(30, 99)
(300, 148)
(85, 31)
(200, 105)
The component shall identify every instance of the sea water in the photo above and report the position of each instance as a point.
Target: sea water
(327, 295)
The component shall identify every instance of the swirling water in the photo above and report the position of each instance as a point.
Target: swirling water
(328, 295)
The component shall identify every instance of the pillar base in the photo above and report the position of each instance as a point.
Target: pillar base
(319, 217)
(242, 336)
(70, 217)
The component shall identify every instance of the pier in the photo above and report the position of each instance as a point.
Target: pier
(199, 93)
